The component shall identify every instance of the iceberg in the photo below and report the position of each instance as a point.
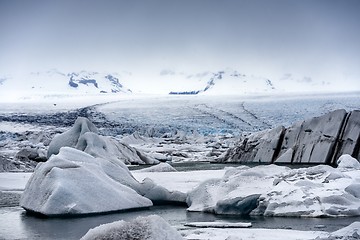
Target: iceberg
(151, 227)
(319, 191)
(74, 183)
(236, 192)
(84, 136)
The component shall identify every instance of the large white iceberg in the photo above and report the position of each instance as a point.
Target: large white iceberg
(151, 227)
(279, 191)
(74, 182)
(236, 192)
(320, 191)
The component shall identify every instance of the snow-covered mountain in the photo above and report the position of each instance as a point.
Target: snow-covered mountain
(224, 82)
(236, 83)
(56, 82)
(229, 82)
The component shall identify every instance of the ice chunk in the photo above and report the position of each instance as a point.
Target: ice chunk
(350, 232)
(161, 167)
(348, 162)
(240, 187)
(151, 227)
(219, 224)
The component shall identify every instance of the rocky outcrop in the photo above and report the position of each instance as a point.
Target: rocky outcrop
(258, 147)
(317, 140)
(349, 141)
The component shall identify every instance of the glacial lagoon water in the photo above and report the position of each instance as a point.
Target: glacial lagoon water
(16, 224)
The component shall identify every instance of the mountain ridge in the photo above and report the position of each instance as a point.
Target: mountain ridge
(227, 81)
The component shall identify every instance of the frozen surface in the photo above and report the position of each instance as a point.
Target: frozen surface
(151, 227)
(13, 181)
(225, 114)
(161, 167)
(181, 181)
(251, 234)
(219, 224)
(166, 128)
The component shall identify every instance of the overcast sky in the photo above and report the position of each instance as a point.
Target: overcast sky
(316, 38)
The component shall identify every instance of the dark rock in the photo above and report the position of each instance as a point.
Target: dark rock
(27, 153)
(320, 140)
(317, 146)
(312, 141)
(73, 84)
(258, 147)
(349, 142)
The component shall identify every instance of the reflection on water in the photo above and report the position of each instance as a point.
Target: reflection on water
(193, 166)
(16, 224)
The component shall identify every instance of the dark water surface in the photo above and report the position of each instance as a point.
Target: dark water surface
(193, 166)
(16, 224)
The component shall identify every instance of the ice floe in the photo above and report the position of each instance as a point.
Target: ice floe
(151, 227)
(161, 167)
(219, 224)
